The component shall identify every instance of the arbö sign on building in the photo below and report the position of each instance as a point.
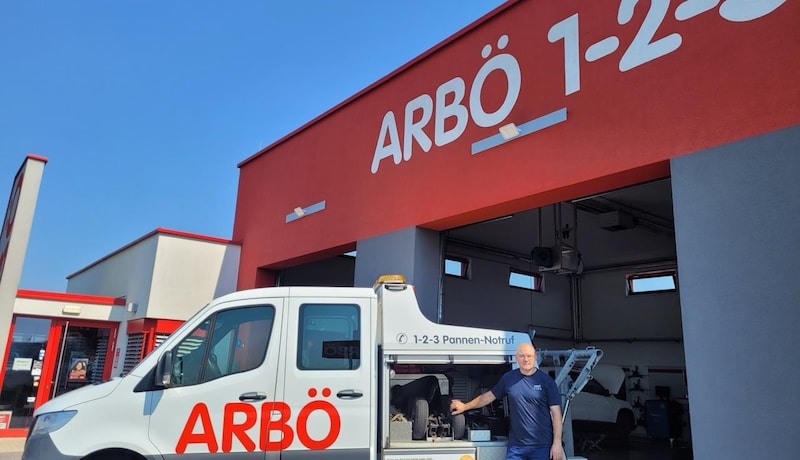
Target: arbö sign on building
(591, 96)
(460, 102)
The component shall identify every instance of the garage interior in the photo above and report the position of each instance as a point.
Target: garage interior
(596, 271)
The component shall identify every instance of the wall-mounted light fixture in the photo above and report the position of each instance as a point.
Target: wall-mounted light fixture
(133, 307)
(71, 309)
(509, 131)
(300, 211)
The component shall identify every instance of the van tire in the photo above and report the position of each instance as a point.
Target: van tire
(114, 454)
(419, 419)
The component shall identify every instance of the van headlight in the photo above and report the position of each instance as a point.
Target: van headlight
(51, 421)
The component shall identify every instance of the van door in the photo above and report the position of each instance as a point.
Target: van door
(329, 383)
(224, 377)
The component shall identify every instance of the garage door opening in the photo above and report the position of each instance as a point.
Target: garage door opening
(595, 271)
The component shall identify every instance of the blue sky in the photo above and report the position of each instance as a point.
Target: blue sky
(144, 108)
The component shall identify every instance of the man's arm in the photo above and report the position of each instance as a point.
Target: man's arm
(457, 407)
(557, 450)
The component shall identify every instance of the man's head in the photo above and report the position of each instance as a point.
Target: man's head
(526, 358)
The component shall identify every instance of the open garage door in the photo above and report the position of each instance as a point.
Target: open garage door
(595, 271)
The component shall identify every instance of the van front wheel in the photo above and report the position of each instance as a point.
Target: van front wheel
(114, 454)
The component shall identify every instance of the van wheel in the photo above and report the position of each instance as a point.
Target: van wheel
(458, 423)
(419, 417)
(114, 454)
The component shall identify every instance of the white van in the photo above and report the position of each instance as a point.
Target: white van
(291, 373)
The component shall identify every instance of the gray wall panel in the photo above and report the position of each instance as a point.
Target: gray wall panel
(737, 216)
(413, 252)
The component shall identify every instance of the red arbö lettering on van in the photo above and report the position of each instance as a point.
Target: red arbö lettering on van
(238, 417)
(305, 412)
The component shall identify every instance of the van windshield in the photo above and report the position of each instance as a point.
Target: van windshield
(176, 332)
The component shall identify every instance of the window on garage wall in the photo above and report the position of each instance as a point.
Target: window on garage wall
(525, 280)
(652, 281)
(456, 266)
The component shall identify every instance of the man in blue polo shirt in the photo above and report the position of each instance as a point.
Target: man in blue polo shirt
(534, 406)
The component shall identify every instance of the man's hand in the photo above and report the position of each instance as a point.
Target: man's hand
(557, 452)
(457, 407)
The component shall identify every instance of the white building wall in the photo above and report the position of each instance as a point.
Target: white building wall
(54, 308)
(164, 276)
(127, 273)
(188, 273)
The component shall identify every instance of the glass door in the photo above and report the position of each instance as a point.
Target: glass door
(47, 357)
(81, 360)
(23, 371)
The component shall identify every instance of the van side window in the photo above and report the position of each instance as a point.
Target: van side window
(329, 337)
(228, 342)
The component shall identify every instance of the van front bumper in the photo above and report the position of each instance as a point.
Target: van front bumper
(42, 448)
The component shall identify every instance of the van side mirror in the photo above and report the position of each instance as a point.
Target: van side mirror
(163, 377)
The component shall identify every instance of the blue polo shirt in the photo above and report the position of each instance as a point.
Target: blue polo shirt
(529, 401)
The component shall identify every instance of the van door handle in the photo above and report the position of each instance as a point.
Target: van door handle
(253, 396)
(349, 394)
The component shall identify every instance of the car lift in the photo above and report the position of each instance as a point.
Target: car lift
(565, 362)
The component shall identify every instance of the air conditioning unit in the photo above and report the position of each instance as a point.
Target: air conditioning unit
(561, 260)
(615, 221)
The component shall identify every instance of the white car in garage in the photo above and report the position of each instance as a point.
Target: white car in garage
(599, 408)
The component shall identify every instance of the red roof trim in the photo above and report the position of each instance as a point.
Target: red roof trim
(195, 236)
(161, 230)
(33, 156)
(388, 77)
(70, 297)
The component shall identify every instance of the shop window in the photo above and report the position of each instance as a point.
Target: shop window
(455, 266)
(655, 281)
(525, 280)
(329, 337)
(228, 342)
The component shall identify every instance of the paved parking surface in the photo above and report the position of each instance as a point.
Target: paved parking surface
(11, 448)
(637, 449)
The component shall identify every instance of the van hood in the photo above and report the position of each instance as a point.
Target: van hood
(610, 376)
(79, 396)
